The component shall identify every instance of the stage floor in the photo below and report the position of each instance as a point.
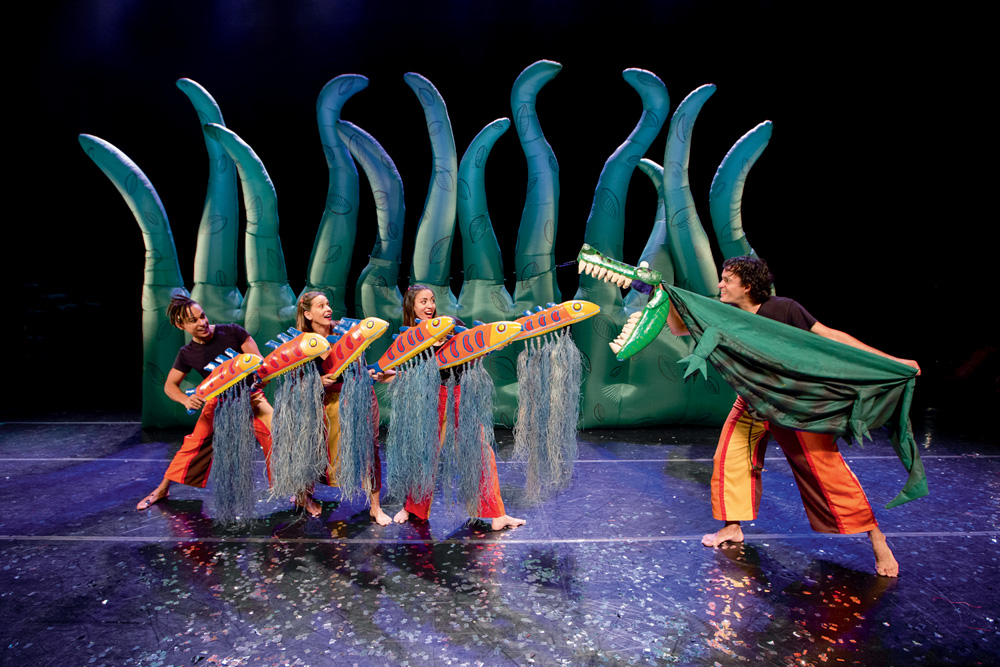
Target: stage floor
(609, 571)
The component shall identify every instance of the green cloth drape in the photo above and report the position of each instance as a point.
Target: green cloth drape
(803, 381)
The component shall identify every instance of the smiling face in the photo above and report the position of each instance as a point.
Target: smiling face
(195, 322)
(732, 290)
(424, 306)
(319, 313)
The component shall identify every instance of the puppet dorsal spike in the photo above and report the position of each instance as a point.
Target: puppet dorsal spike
(395, 336)
(550, 304)
(478, 323)
(349, 321)
(211, 366)
(332, 339)
(459, 329)
(284, 338)
(271, 344)
(527, 313)
(232, 353)
(293, 332)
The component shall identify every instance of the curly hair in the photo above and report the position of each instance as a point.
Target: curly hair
(754, 274)
(179, 308)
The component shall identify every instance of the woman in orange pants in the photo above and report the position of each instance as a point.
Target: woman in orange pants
(418, 303)
(314, 315)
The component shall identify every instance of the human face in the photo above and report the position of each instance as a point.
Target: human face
(319, 313)
(195, 322)
(424, 307)
(733, 291)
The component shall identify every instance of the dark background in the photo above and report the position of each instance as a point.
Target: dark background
(863, 203)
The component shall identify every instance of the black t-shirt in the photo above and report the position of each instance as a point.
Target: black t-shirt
(787, 311)
(194, 356)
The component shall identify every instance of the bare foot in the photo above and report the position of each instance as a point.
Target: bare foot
(402, 516)
(731, 532)
(150, 500)
(309, 504)
(381, 518)
(506, 521)
(885, 562)
(161, 492)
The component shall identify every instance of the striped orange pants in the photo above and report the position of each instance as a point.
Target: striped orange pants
(832, 496)
(193, 461)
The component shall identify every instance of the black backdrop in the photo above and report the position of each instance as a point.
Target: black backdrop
(856, 202)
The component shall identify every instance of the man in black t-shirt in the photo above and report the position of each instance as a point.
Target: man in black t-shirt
(193, 461)
(833, 498)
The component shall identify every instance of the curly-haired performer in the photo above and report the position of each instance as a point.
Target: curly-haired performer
(193, 460)
(833, 498)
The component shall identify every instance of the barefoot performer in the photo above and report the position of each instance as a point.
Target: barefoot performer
(193, 461)
(833, 498)
(418, 303)
(803, 389)
(314, 315)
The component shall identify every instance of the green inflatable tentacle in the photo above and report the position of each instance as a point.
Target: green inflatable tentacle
(656, 254)
(270, 302)
(436, 229)
(608, 386)
(727, 191)
(161, 279)
(534, 256)
(377, 293)
(215, 267)
(483, 295)
(689, 244)
(331, 255)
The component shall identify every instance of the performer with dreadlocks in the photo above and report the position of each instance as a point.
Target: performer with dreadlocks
(419, 303)
(833, 498)
(192, 463)
(314, 315)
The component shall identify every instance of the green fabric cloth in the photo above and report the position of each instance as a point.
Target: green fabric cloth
(803, 381)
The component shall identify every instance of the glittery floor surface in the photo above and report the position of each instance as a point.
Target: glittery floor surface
(608, 571)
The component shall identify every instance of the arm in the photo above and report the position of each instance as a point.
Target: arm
(172, 388)
(250, 347)
(847, 339)
(676, 324)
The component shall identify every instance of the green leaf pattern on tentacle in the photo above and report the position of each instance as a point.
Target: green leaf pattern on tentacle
(534, 257)
(270, 302)
(609, 386)
(215, 261)
(656, 255)
(483, 295)
(436, 229)
(161, 278)
(727, 191)
(377, 293)
(331, 254)
(689, 244)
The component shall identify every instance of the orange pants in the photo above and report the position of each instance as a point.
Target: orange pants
(832, 496)
(490, 502)
(193, 461)
(331, 404)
